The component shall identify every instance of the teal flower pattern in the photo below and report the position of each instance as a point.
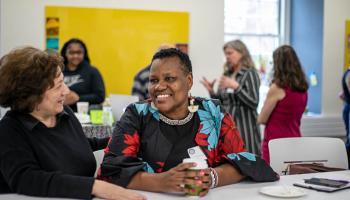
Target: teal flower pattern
(211, 118)
(247, 155)
(144, 108)
(148, 168)
(141, 108)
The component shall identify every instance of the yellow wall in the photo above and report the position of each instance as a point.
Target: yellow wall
(120, 42)
(347, 45)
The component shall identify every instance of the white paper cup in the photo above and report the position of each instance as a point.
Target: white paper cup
(83, 107)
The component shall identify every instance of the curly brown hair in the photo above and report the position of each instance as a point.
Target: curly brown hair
(26, 73)
(288, 71)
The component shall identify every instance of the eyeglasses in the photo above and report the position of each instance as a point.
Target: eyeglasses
(75, 52)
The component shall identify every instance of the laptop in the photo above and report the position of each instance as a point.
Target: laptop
(119, 102)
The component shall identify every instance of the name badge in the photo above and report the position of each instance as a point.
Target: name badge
(196, 152)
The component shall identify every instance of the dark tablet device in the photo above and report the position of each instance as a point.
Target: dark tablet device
(326, 182)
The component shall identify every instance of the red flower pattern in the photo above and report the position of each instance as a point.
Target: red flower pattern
(161, 165)
(230, 140)
(201, 139)
(133, 142)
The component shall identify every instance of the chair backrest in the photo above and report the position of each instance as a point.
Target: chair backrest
(3, 111)
(99, 158)
(331, 151)
(119, 102)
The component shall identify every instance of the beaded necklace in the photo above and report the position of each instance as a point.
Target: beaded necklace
(176, 122)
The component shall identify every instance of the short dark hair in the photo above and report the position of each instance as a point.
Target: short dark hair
(26, 73)
(173, 52)
(74, 41)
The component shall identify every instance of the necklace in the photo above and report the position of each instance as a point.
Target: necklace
(176, 122)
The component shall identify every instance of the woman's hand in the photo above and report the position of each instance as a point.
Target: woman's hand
(341, 96)
(199, 178)
(173, 180)
(71, 98)
(209, 85)
(227, 82)
(106, 190)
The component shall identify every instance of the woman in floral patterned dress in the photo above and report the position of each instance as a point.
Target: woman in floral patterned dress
(152, 138)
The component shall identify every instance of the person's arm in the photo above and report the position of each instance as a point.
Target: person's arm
(98, 143)
(274, 95)
(97, 94)
(121, 161)
(348, 82)
(209, 86)
(247, 91)
(169, 181)
(230, 141)
(106, 190)
(227, 174)
(243, 164)
(24, 175)
(71, 98)
(341, 96)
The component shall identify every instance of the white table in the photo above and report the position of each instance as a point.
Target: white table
(244, 190)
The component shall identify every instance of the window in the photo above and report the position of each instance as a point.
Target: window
(257, 24)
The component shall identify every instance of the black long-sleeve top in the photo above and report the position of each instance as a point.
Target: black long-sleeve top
(87, 82)
(50, 162)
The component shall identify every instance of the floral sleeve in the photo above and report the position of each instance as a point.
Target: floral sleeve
(121, 160)
(229, 141)
(231, 148)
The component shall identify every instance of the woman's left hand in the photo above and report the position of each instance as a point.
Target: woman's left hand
(199, 178)
(71, 98)
(227, 82)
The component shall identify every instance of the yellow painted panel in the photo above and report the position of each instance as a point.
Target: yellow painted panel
(347, 45)
(120, 42)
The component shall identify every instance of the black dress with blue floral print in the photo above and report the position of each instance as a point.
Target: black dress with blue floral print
(141, 142)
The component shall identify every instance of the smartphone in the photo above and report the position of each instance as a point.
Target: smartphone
(326, 182)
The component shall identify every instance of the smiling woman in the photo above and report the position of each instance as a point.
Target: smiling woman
(151, 139)
(44, 151)
(84, 80)
(170, 82)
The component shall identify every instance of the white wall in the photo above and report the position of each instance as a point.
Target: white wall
(336, 12)
(22, 23)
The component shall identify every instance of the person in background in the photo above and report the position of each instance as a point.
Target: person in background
(141, 79)
(153, 137)
(286, 99)
(239, 92)
(44, 151)
(345, 96)
(84, 81)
